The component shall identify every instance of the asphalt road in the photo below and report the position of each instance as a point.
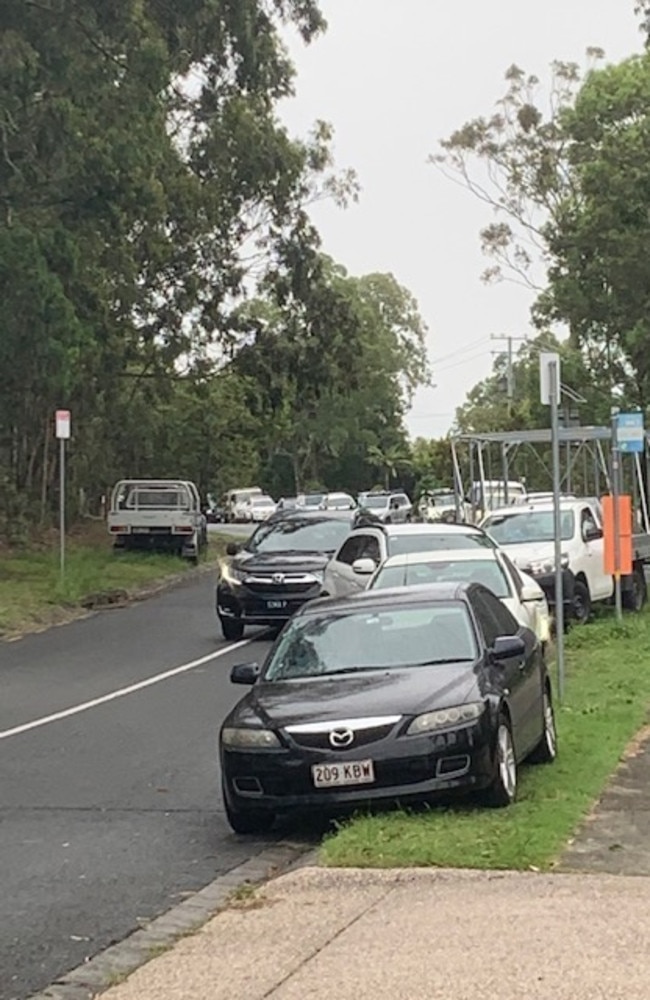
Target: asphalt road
(110, 814)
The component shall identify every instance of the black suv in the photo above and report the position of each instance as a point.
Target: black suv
(279, 568)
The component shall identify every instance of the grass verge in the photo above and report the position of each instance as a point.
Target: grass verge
(32, 594)
(606, 700)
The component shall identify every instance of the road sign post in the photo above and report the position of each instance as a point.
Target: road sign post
(549, 384)
(62, 428)
(628, 436)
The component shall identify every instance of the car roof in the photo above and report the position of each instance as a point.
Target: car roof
(477, 554)
(304, 514)
(538, 508)
(428, 529)
(431, 593)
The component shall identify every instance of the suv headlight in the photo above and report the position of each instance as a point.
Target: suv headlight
(539, 567)
(251, 739)
(443, 718)
(232, 574)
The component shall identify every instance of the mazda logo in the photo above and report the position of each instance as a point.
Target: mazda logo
(341, 737)
(278, 578)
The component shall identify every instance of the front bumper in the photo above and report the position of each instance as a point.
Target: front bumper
(547, 582)
(409, 769)
(266, 606)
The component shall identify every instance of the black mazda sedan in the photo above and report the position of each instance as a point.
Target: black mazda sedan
(279, 568)
(394, 695)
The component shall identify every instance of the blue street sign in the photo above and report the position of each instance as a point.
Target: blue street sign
(629, 431)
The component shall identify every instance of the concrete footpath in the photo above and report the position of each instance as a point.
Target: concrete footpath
(315, 934)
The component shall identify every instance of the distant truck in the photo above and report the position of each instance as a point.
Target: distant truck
(158, 514)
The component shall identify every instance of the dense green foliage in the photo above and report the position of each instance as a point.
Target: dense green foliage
(569, 182)
(153, 210)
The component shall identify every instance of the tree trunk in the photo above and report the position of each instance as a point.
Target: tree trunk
(46, 463)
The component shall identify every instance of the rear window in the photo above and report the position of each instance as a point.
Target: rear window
(399, 545)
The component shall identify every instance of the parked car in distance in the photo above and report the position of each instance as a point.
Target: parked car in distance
(287, 503)
(310, 501)
(258, 508)
(393, 695)
(338, 501)
(523, 598)
(235, 502)
(440, 505)
(391, 508)
(265, 580)
(350, 569)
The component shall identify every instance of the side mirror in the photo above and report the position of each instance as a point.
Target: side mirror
(529, 594)
(232, 549)
(507, 646)
(364, 567)
(244, 673)
(592, 534)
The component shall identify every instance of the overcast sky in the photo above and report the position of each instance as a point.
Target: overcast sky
(395, 76)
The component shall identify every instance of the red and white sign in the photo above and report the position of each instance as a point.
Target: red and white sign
(63, 424)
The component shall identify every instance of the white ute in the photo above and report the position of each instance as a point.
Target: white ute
(158, 514)
(526, 534)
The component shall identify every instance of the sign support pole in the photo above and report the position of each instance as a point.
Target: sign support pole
(62, 506)
(616, 491)
(62, 428)
(553, 383)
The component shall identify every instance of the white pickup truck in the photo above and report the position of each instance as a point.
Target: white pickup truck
(525, 532)
(158, 514)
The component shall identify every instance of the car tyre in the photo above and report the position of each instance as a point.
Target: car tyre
(249, 821)
(635, 598)
(581, 603)
(232, 629)
(546, 750)
(503, 788)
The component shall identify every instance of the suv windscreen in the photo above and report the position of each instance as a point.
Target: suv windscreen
(313, 500)
(313, 534)
(399, 545)
(528, 526)
(376, 502)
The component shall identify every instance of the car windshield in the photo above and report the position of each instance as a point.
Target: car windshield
(444, 500)
(373, 639)
(314, 500)
(263, 502)
(313, 534)
(485, 571)
(523, 527)
(375, 503)
(399, 545)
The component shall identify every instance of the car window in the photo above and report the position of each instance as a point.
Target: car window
(587, 521)
(350, 550)
(515, 575)
(349, 642)
(370, 548)
(375, 502)
(485, 571)
(399, 545)
(309, 534)
(494, 619)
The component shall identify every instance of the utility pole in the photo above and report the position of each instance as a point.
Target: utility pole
(510, 371)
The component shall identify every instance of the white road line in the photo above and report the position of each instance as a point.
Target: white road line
(121, 692)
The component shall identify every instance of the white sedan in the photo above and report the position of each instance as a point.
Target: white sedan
(259, 508)
(519, 592)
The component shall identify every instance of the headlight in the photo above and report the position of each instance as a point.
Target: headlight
(318, 575)
(249, 738)
(445, 717)
(232, 573)
(542, 566)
